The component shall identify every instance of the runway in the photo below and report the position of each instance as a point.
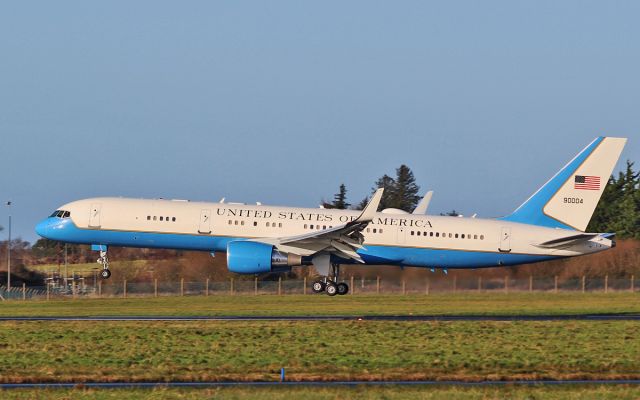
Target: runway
(405, 318)
(150, 385)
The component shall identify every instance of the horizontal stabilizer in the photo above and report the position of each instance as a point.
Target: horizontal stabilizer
(567, 241)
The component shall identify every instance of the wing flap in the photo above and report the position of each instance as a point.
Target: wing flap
(344, 239)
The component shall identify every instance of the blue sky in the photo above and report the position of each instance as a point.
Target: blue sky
(280, 102)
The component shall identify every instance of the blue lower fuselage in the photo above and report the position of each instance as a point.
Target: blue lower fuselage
(66, 231)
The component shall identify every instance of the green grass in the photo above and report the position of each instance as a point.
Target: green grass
(439, 304)
(357, 393)
(324, 350)
(83, 268)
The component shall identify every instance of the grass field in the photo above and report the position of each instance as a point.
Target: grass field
(357, 393)
(323, 350)
(87, 268)
(440, 304)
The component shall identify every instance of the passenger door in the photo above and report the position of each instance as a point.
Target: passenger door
(402, 232)
(94, 215)
(505, 240)
(205, 222)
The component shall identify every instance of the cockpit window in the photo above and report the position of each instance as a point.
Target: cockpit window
(60, 214)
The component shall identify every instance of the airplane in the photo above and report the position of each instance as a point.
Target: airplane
(257, 239)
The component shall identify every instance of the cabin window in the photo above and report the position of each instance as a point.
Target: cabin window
(242, 223)
(267, 224)
(481, 237)
(255, 223)
(411, 233)
(148, 217)
(305, 226)
(431, 234)
(280, 225)
(374, 230)
(419, 233)
(437, 234)
(235, 222)
(173, 219)
(463, 236)
(368, 230)
(449, 235)
(380, 230)
(456, 236)
(311, 226)
(324, 227)
(475, 236)
(154, 217)
(230, 222)
(161, 219)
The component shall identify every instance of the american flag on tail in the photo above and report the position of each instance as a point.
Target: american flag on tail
(587, 182)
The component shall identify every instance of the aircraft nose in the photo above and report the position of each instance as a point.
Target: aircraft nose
(42, 228)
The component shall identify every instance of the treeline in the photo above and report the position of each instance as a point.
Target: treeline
(619, 208)
(400, 192)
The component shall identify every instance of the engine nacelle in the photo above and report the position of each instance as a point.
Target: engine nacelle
(245, 257)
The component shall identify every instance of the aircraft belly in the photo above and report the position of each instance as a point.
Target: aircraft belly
(437, 258)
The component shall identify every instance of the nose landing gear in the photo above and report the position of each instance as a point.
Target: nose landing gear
(104, 260)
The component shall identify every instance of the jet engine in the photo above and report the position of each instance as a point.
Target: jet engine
(245, 257)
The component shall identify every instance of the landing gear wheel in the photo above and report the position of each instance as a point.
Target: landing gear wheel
(104, 261)
(331, 288)
(318, 287)
(343, 288)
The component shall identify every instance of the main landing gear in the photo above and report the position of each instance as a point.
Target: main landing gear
(104, 260)
(330, 284)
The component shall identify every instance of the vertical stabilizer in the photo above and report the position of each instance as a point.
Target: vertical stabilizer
(569, 198)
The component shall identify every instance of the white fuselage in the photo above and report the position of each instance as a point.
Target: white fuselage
(405, 239)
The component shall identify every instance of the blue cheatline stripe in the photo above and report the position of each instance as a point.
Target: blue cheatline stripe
(149, 385)
(64, 230)
(531, 212)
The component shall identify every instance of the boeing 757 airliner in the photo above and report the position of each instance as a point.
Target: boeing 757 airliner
(257, 239)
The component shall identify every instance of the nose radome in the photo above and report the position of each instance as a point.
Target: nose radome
(42, 228)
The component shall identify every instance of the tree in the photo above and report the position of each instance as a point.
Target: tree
(619, 207)
(389, 185)
(452, 213)
(339, 199)
(401, 192)
(405, 195)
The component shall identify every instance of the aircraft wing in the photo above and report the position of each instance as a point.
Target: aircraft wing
(423, 205)
(567, 241)
(343, 240)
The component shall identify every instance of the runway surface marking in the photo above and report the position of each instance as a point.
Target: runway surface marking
(143, 385)
(426, 318)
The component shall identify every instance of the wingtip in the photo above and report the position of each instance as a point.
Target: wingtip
(370, 209)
